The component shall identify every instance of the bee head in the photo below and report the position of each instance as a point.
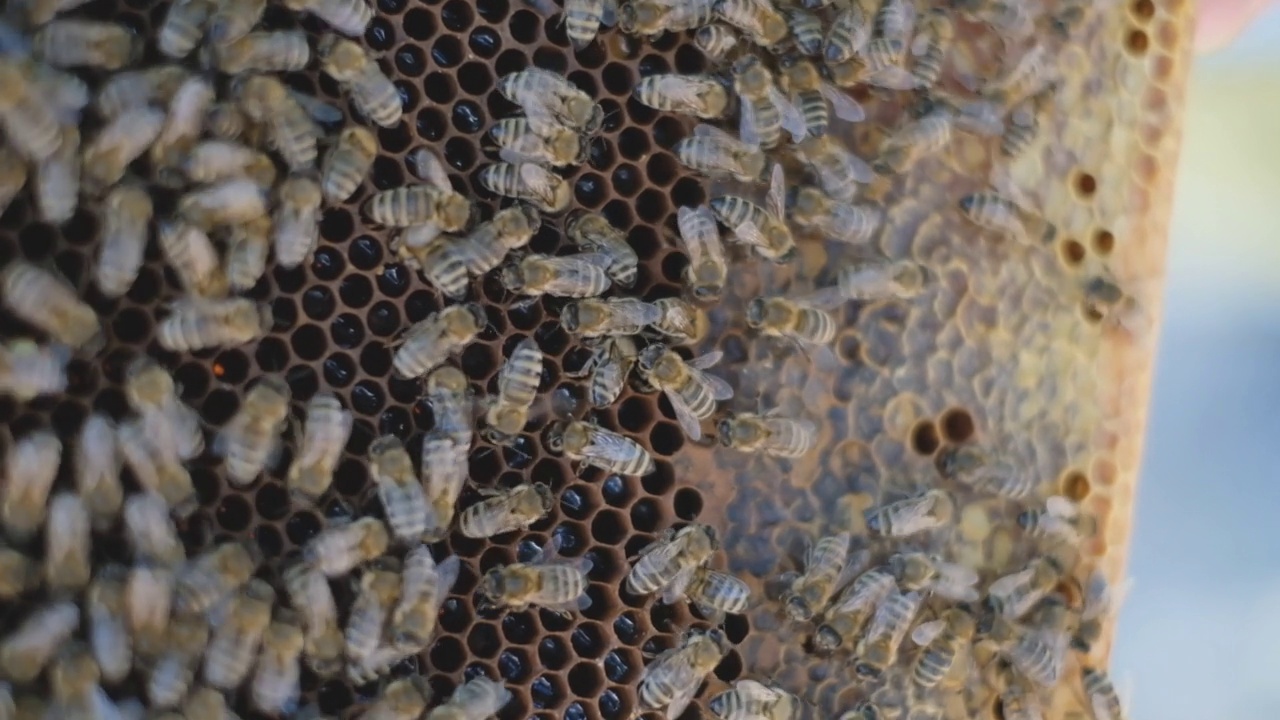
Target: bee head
(798, 609)
(717, 705)
(1026, 519)
(571, 317)
(826, 639)
(650, 356)
(545, 496)
(867, 669)
(756, 312)
(555, 436)
(724, 431)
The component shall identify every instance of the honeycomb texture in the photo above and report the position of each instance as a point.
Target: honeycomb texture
(997, 351)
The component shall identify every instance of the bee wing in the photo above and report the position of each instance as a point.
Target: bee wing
(891, 78)
(956, 573)
(598, 259)
(700, 233)
(720, 390)
(714, 133)
(684, 696)
(609, 13)
(1004, 585)
(428, 168)
(776, 202)
(515, 157)
(703, 362)
(545, 7)
(926, 632)
(609, 446)
(920, 45)
(754, 689)
(674, 590)
(828, 298)
(792, 119)
(446, 577)
(748, 130)
(982, 117)
(858, 168)
(845, 107)
(319, 110)
(689, 422)
(748, 233)
(1061, 507)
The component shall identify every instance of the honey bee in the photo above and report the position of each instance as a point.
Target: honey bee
(608, 317)
(873, 279)
(1103, 698)
(251, 442)
(57, 179)
(183, 27)
(595, 446)
(205, 703)
(839, 172)
(213, 161)
(104, 159)
(1017, 702)
(878, 649)
(848, 35)
(148, 596)
(520, 142)
(826, 568)
(716, 594)
(76, 42)
(196, 323)
(26, 649)
(289, 129)
(891, 34)
(923, 571)
(97, 470)
(378, 592)
(18, 573)
(126, 214)
(346, 165)
(349, 17)
(702, 96)
(157, 467)
(1014, 595)
(791, 319)
(816, 98)
(669, 563)
(768, 434)
(651, 18)
(763, 229)
(985, 473)
(1032, 73)
(129, 89)
(1101, 603)
(918, 513)
(932, 41)
(296, 220)
(610, 363)
(423, 589)
(46, 301)
(993, 211)
(1060, 521)
(340, 547)
(402, 496)
(234, 641)
(551, 101)
(402, 699)
(582, 18)
(13, 175)
(214, 574)
(807, 31)
(593, 233)
(673, 678)
(518, 382)
(813, 209)
(943, 643)
(66, 544)
(170, 424)
(680, 321)
(30, 469)
(28, 370)
(170, 674)
(922, 136)
(311, 597)
(717, 154)
(575, 276)
(325, 433)
(715, 41)
(764, 112)
(193, 257)
(30, 125)
(447, 262)
(479, 698)
(1037, 652)
(182, 126)
(707, 270)
(693, 393)
(1024, 122)
(152, 535)
(433, 203)
(503, 510)
(429, 342)
(277, 676)
(228, 202)
(109, 637)
(276, 51)
(853, 608)
(749, 700)
(74, 685)
(758, 19)
(530, 183)
(372, 92)
(548, 580)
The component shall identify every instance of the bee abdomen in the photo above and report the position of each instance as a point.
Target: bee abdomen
(816, 115)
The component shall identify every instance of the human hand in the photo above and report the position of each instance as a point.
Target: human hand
(1220, 22)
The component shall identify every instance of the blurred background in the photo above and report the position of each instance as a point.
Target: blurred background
(1199, 637)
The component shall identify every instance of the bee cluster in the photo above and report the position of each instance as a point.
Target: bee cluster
(208, 137)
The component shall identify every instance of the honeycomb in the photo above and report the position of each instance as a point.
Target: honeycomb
(1003, 349)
